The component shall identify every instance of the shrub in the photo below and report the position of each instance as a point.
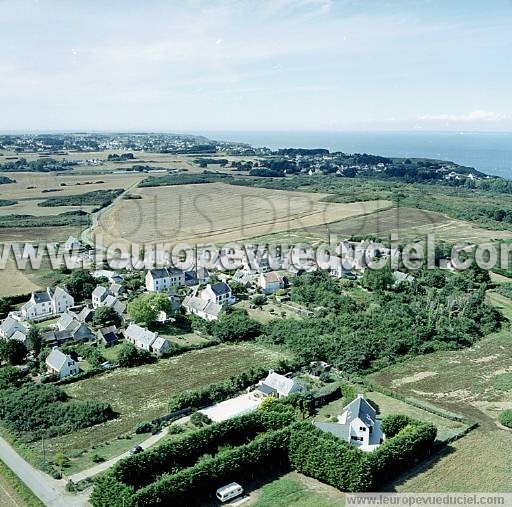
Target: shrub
(393, 424)
(96, 458)
(144, 427)
(506, 418)
(199, 419)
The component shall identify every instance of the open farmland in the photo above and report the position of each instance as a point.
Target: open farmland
(30, 185)
(409, 224)
(216, 212)
(141, 394)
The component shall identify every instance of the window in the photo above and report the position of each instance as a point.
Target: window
(362, 428)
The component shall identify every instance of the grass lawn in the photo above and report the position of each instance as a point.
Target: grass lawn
(13, 492)
(479, 462)
(141, 394)
(388, 406)
(177, 335)
(265, 314)
(502, 303)
(296, 490)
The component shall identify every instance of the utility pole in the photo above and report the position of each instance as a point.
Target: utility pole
(44, 450)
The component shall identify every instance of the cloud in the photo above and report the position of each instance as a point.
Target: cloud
(473, 116)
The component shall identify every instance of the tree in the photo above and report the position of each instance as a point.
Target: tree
(80, 284)
(35, 340)
(146, 308)
(259, 300)
(106, 316)
(377, 279)
(236, 326)
(12, 351)
(129, 356)
(9, 377)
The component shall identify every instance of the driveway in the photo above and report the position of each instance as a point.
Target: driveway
(50, 491)
(233, 407)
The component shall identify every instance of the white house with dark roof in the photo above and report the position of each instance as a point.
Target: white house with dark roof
(219, 293)
(60, 364)
(204, 309)
(158, 280)
(46, 303)
(357, 424)
(276, 385)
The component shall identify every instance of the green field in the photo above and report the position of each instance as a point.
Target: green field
(388, 406)
(13, 492)
(479, 462)
(476, 382)
(296, 490)
(141, 394)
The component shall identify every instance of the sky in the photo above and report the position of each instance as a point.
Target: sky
(292, 65)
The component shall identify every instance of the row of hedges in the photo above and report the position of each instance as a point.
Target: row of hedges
(336, 462)
(267, 440)
(176, 455)
(267, 452)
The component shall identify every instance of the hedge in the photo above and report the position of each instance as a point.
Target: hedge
(173, 456)
(266, 452)
(216, 392)
(333, 461)
(329, 459)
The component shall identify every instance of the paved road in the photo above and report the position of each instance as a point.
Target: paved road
(85, 237)
(50, 491)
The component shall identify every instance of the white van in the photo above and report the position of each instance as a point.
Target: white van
(230, 491)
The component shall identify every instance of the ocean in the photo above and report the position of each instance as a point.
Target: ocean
(490, 153)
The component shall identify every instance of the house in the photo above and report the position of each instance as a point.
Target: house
(160, 346)
(141, 337)
(358, 425)
(101, 296)
(60, 364)
(158, 280)
(74, 330)
(108, 336)
(197, 276)
(72, 244)
(244, 277)
(98, 296)
(271, 282)
(47, 303)
(117, 289)
(21, 337)
(85, 315)
(111, 276)
(400, 276)
(276, 385)
(204, 309)
(219, 293)
(10, 325)
(114, 303)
